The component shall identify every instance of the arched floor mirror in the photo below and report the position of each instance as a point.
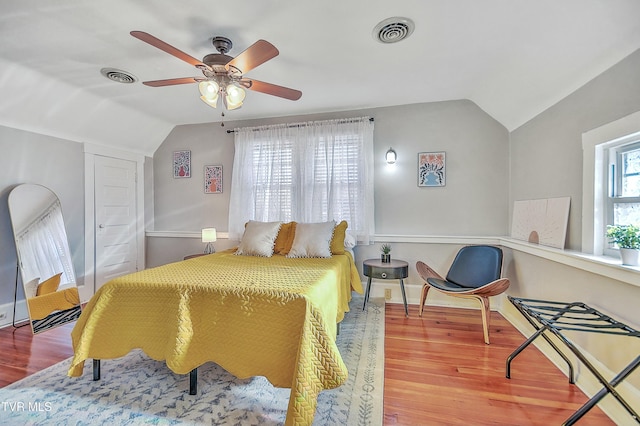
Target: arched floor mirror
(44, 258)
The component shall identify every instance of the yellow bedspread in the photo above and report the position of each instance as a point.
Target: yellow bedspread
(274, 317)
(42, 306)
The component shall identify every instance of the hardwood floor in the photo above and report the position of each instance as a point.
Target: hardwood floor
(22, 353)
(438, 371)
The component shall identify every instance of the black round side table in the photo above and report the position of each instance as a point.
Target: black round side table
(393, 270)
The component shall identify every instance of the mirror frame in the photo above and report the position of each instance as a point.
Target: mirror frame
(52, 300)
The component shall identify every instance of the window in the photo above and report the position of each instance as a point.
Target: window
(307, 172)
(623, 198)
(600, 152)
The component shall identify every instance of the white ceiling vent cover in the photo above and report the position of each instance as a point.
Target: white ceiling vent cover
(118, 75)
(393, 30)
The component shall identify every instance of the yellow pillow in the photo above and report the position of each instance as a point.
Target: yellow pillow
(285, 237)
(337, 242)
(49, 286)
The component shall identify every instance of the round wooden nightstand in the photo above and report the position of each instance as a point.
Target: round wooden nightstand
(393, 270)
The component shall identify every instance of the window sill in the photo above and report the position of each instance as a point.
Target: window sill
(607, 266)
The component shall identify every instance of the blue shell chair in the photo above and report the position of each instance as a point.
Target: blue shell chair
(474, 274)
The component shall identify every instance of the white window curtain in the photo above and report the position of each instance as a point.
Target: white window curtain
(44, 251)
(306, 172)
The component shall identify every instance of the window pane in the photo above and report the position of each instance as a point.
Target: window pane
(630, 174)
(626, 213)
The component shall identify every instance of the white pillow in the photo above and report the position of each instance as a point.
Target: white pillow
(258, 238)
(31, 288)
(312, 240)
(349, 241)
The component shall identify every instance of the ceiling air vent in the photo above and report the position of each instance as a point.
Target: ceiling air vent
(393, 30)
(118, 75)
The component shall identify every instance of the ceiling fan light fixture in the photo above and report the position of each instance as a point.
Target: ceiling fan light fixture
(211, 102)
(223, 74)
(235, 94)
(230, 105)
(209, 89)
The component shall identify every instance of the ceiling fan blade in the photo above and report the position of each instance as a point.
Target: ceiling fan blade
(256, 54)
(271, 89)
(156, 42)
(172, 81)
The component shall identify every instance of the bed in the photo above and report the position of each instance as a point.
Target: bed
(252, 315)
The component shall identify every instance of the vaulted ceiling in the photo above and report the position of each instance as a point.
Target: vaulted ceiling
(513, 58)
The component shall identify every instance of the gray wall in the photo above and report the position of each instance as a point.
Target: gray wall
(546, 152)
(55, 163)
(473, 202)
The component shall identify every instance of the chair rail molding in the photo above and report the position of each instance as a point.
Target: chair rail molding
(601, 265)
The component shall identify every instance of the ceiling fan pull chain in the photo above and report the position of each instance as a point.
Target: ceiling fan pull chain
(222, 122)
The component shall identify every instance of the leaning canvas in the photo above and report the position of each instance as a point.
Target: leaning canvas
(542, 221)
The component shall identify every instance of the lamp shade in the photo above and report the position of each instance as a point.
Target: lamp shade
(234, 97)
(209, 90)
(235, 94)
(209, 235)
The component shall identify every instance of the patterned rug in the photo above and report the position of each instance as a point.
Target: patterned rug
(136, 390)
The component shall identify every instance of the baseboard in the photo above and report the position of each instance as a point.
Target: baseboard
(586, 382)
(7, 311)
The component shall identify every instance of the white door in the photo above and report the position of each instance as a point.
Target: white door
(115, 218)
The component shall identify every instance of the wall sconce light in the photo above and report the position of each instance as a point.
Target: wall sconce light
(391, 156)
(209, 237)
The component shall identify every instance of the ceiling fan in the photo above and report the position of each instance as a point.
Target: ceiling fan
(223, 75)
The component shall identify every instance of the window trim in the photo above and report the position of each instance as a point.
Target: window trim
(614, 152)
(594, 179)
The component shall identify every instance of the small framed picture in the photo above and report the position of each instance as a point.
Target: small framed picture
(182, 164)
(432, 169)
(213, 179)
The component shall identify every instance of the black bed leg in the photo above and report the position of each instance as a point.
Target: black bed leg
(96, 369)
(193, 382)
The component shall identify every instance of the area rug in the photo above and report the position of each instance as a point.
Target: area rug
(136, 390)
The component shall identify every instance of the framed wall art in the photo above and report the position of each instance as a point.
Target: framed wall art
(213, 179)
(182, 164)
(432, 169)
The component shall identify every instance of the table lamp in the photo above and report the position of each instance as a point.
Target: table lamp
(209, 237)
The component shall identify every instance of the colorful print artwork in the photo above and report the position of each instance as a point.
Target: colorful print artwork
(212, 179)
(431, 169)
(182, 164)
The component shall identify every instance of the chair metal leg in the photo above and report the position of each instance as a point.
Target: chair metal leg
(404, 298)
(366, 294)
(423, 297)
